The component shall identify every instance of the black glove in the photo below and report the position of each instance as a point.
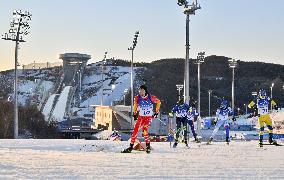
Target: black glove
(135, 116)
(155, 115)
(215, 121)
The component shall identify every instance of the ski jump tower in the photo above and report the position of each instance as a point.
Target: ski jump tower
(72, 63)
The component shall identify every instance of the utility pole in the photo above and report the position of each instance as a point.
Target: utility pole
(18, 28)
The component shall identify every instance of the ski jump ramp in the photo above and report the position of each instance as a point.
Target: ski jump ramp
(55, 108)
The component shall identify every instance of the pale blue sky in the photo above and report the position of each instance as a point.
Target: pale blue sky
(249, 30)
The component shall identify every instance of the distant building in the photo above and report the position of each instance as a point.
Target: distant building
(112, 118)
(41, 65)
(73, 63)
(117, 118)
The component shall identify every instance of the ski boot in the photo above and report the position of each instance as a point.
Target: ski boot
(186, 144)
(197, 140)
(148, 148)
(260, 144)
(129, 149)
(272, 142)
(210, 140)
(175, 144)
(227, 140)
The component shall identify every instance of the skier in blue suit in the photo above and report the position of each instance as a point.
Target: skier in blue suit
(192, 114)
(180, 110)
(222, 116)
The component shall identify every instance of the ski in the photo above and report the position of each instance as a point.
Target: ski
(272, 144)
(132, 152)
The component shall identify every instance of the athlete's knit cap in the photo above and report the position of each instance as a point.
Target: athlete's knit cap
(145, 88)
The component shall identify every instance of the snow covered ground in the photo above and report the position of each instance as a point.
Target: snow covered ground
(82, 159)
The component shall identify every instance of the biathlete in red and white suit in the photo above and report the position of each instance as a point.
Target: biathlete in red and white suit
(143, 113)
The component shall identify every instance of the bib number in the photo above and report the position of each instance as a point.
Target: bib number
(146, 112)
(263, 111)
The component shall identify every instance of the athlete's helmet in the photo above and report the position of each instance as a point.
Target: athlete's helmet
(224, 103)
(262, 94)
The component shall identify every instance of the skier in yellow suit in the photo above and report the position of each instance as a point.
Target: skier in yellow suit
(262, 105)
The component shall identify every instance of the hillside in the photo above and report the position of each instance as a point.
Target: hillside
(162, 76)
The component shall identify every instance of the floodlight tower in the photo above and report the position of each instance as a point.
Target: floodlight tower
(199, 61)
(188, 10)
(179, 88)
(19, 27)
(233, 64)
(131, 75)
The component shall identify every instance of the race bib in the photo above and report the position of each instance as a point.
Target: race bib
(181, 113)
(262, 111)
(146, 111)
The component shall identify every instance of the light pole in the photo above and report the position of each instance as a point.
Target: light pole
(246, 108)
(209, 104)
(112, 89)
(125, 91)
(102, 69)
(272, 85)
(179, 88)
(188, 10)
(18, 28)
(254, 94)
(199, 61)
(131, 75)
(233, 64)
(80, 80)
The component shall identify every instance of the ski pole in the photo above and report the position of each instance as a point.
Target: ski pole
(169, 132)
